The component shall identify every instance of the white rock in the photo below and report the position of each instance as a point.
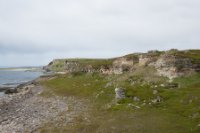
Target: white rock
(119, 93)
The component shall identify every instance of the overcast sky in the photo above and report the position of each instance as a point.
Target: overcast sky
(33, 32)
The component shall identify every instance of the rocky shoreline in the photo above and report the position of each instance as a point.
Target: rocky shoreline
(27, 111)
(3, 89)
(16, 89)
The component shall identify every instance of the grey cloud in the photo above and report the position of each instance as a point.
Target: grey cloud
(47, 29)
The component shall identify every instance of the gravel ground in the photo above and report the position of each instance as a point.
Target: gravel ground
(27, 111)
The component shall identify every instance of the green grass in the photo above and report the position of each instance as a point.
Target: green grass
(58, 65)
(76, 85)
(194, 55)
(95, 63)
(178, 112)
(132, 57)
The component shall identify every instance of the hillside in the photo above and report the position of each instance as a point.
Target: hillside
(152, 92)
(172, 63)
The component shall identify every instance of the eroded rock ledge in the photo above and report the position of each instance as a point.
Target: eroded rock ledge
(171, 64)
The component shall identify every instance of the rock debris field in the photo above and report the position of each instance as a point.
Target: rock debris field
(26, 111)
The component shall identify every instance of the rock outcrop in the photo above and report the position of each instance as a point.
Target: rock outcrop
(148, 58)
(121, 65)
(171, 64)
(71, 66)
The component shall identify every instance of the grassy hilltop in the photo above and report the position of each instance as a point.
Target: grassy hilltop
(153, 103)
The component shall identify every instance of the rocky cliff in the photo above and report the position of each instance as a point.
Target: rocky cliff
(171, 64)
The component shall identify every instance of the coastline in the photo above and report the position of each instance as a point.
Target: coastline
(14, 78)
(26, 110)
(36, 69)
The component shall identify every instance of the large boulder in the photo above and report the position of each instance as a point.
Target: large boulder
(2, 89)
(11, 91)
(120, 93)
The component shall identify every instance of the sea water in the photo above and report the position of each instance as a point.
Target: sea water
(12, 78)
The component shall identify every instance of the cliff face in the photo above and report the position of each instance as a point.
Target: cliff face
(122, 64)
(173, 66)
(172, 63)
(175, 63)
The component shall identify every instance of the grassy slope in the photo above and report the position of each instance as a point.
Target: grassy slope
(179, 111)
(194, 55)
(95, 63)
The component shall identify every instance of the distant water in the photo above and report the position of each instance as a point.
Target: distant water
(12, 78)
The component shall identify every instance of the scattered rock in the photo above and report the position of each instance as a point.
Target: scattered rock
(155, 92)
(107, 106)
(172, 85)
(3, 89)
(120, 93)
(108, 84)
(157, 100)
(133, 83)
(162, 85)
(143, 104)
(11, 91)
(136, 99)
(26, 111)
(134, 106)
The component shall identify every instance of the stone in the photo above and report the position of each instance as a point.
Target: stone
(120, 93)
(172, 85)
(162, 85)
(11, 91)
(2, 89)
(143, 104)
(136, 99)
(26, 111)
(155, 92)
(108, 84)
(157, 100)
(133, 106)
